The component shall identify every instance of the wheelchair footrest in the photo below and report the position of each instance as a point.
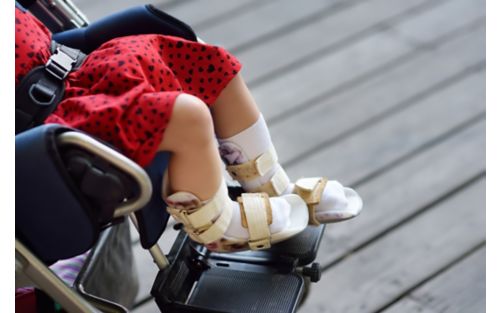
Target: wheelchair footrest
(197, 282)
(226, 290)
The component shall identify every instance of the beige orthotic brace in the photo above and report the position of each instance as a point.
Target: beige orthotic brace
(208, 223)
(258, 167)
(311, 190)
(256, 216)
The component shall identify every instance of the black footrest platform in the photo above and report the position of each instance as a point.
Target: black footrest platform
(256, 281)
(226, 290)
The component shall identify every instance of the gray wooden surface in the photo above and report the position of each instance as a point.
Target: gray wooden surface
(387, 96)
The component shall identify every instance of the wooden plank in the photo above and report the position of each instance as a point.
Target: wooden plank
(202, 15)
(270, 17)
(395, 88)
(198, 14)
(462, 288)
(371, 278)
(336, 71)
(440, 22)
(359, 19)
(94, 10)
(328, 72)
(386, 141)
(403, 191)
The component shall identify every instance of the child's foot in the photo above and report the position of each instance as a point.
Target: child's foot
(254, 222)
(328, 201)
(251, 159)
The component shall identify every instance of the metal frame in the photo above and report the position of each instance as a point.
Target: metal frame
(62, 11)
(36, 271)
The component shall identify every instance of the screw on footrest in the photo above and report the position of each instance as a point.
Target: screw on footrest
(313, 272)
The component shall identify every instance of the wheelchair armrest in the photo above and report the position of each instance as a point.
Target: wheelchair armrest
(138, 20)
(58, 213)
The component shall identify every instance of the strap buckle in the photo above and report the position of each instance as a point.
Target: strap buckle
(60, 64)
(183, 217)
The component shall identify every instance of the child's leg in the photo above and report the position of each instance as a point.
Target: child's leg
(194, 164)
(245, 141)
(241, 129)
(235, 109)
(195, 184)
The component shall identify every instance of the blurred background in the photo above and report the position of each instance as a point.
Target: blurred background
(387, 96)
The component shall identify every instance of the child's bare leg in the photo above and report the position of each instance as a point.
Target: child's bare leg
(235, 109)
(244, 138)
(194, 165)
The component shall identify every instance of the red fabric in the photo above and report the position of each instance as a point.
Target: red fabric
(124, 92)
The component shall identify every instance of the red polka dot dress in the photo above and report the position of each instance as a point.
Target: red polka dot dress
(125, 90)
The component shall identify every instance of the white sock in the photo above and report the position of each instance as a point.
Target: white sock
(248, 145)
(333, 198)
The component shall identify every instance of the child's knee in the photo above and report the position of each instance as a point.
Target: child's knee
(194, 113)
(191, 120)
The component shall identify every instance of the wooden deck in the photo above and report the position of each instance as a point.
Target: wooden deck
(387, 96)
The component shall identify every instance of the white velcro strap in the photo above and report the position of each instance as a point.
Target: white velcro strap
(266, 161)
(203, 217)
(308, 184)
(210, 221)
(254, 168)
(277, 184)
(209, 211)
(217, 230)
(255, 208)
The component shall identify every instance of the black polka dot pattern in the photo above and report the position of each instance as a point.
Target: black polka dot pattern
(125, 90)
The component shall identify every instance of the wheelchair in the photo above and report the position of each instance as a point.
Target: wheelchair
(73, 194)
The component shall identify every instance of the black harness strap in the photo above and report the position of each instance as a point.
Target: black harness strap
(41, 90)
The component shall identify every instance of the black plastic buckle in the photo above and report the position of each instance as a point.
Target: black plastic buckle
(41, 94)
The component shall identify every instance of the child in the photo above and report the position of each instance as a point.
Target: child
(152, 93)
